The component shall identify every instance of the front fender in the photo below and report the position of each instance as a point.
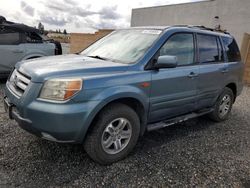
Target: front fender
(112, 94)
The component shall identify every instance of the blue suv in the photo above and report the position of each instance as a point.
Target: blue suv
(131, 81)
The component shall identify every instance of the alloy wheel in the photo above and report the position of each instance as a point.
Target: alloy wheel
(225, 105)
(116, 136)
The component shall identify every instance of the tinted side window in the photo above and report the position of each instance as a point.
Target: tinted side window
(33, 38)
(232, 50)
(209, 49)
(9, 37)
(221, 51)
(180, 45)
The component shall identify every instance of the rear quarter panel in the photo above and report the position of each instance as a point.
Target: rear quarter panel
(235, 75)
(39, 50)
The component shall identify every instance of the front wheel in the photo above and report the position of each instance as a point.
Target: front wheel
(114, 134)
(223, 106)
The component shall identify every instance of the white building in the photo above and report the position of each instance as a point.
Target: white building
(232, 15)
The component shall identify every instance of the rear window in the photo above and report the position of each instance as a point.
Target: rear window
(209, 49)
(231, 48)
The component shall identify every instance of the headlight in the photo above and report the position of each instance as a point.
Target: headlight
(60, 89)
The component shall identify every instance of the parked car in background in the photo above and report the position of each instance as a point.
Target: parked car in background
(20, 42)
(130, 81)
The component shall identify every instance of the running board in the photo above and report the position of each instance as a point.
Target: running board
(172, 121)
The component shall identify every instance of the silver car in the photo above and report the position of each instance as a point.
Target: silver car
(20, 42)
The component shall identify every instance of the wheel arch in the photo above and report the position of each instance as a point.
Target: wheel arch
(32, 56)
(133, 102)
(233, 87)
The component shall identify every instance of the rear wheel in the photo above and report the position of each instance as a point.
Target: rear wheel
(223, 106)
(114, 134)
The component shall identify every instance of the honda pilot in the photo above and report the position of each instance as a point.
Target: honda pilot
(131, 81)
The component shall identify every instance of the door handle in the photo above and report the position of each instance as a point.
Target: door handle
(192, 75)
(17, 51)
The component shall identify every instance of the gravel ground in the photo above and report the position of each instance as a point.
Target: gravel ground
(198, 153)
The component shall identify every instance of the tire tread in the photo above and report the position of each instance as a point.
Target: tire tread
(92, 145)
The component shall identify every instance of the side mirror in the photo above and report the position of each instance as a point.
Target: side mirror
(166, 61)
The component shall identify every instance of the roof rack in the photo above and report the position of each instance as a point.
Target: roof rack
(202, 27)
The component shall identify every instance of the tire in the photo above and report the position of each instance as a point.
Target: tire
(106, 130)
(220, 113)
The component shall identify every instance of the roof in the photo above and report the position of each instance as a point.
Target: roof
(21, 27)
(17, 26)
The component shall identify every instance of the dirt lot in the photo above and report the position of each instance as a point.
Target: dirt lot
(198, 153)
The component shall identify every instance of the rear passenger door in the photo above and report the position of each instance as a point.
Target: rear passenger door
(213, 69)
(11, 49)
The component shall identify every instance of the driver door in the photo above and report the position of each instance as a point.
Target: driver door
(174, 90)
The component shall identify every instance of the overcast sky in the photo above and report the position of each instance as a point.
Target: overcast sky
(76, 15)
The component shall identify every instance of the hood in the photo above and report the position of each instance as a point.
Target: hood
(67, 66)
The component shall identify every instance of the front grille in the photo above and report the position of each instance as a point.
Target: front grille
(18, 82)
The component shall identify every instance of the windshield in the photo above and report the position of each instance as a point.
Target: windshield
(125, 46)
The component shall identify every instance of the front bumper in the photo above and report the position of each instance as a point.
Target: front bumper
(60, 122)
(26, 124)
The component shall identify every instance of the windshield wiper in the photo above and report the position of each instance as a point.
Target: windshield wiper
(97, 57)
(103, 58)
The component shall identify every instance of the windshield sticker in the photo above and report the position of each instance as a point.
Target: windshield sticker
(153, 32)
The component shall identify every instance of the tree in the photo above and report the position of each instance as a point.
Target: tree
(64, 32)
(41, 27)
